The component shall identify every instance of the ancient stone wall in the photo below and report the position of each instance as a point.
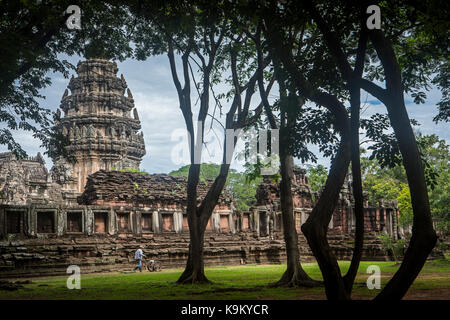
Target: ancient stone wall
(378, 218)
(104, 253)
(45, 239)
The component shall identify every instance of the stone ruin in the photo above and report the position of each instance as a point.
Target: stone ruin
(101, 123)
(378, 218)
(91, 214)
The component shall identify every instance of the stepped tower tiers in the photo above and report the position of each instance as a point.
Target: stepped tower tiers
(98, 121)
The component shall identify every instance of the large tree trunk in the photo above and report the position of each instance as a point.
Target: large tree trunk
(423, 237)
(315, 228)
(294, 274)
(198, 216)
(355, 105)
(197, 220)
(349, 278)
(194, 271)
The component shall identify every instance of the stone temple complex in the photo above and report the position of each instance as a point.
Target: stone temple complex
(89, 213)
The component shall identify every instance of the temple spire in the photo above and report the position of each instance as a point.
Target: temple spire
(95, 115)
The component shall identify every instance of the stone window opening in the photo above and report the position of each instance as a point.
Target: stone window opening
(123, 222)
(167, 222)
(147, 222)
(46, 222)
(185, 223)
(14, 222)
(224, 223)
(245, 222)
(101, 222)
(74, 221)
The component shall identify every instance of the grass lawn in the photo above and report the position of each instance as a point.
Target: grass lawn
(234, 282)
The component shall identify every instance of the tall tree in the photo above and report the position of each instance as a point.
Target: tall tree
(403, 27)
(288, 105)
(201, 34)
(315, 228)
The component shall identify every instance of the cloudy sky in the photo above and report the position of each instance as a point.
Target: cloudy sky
(162, 123)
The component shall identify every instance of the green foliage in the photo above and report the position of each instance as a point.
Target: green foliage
(208, 171)
(437, 154)
(443, 246)
(242, 189)
(253, 171)
(381, 182)
(391, 183)
(33, 35)
(444, 227)
(143, 172)
(391, 246)
(405, 207)
(317, 176)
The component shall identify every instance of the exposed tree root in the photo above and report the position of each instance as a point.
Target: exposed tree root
(193, 278)
(296, 279)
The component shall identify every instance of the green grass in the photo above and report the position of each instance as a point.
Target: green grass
(234, 282)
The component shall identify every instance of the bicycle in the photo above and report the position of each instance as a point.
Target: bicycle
(153, 265)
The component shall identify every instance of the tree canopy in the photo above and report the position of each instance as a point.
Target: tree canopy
(33, 37)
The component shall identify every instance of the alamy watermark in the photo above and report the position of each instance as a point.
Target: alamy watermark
(73, 22)
(374, 20)
(74, 280)
(257, 147)
(374, 280)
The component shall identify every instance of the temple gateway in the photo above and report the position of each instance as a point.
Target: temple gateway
(89, 213)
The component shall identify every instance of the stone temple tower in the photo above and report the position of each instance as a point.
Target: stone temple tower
(101, 124)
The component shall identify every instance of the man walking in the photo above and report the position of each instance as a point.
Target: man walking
(139, 255)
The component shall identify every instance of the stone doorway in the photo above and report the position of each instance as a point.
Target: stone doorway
(279, 224)
(46, 222)
(245, 222)
(123, 222)
(74, 221)
(14, 222)
(224, 223)
(146, 222)
(167, 222)
(101, 222)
